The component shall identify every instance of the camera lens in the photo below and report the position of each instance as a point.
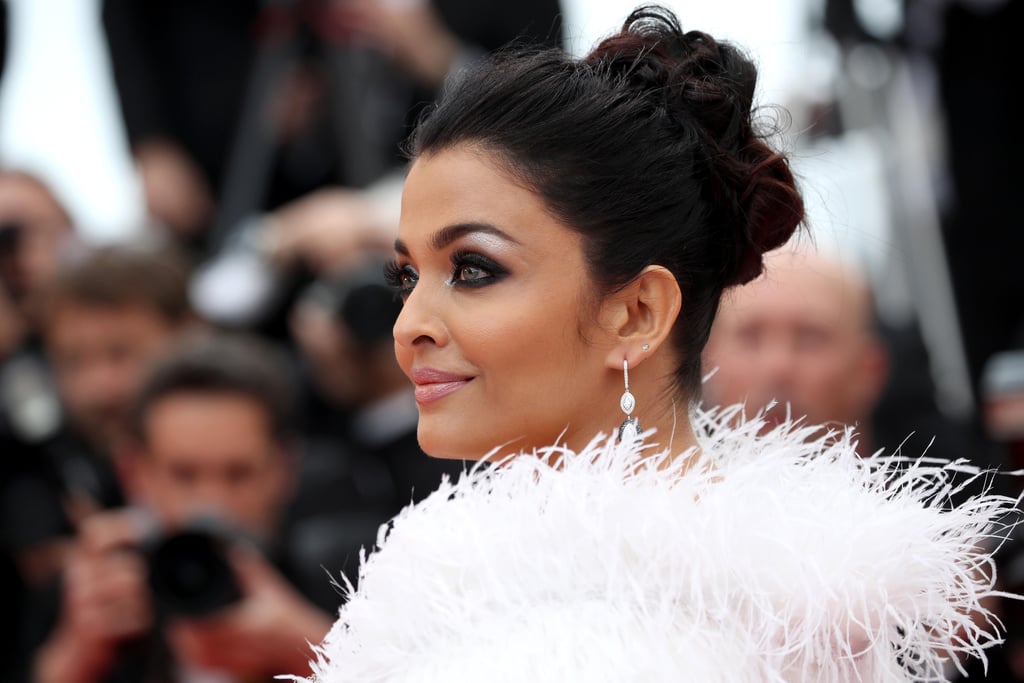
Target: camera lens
(190, 574)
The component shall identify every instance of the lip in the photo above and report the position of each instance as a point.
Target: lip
(433, 384)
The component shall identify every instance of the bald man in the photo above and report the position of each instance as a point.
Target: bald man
(803, 333)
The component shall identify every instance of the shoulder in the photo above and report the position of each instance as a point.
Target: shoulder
(775, 551)
(825, 536)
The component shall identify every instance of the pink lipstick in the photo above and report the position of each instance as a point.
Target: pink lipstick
(433, 385)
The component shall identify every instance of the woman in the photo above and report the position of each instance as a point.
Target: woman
(567, 230)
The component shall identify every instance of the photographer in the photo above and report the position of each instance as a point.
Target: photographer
(212, 464)
(64, 399)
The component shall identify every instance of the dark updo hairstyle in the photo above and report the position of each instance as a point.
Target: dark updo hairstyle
(647, 148)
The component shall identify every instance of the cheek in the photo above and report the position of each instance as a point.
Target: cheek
(519, 349)
(737, 369)
(745, 365)
(735, 356)
(258, 503)
(832, 360)
(403, 355)
(828, 374)
(526, 337)
(538, 375)
(123, 381)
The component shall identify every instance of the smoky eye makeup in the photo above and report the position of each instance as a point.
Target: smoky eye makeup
(469, 267)
(401, 278)
(472, 269)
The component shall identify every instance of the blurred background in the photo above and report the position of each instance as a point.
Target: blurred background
(185, 182)
(73, 134)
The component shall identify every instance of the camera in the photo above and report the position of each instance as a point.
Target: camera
(360, 301)
(189, 571)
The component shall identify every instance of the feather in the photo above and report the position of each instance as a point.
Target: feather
(779, 556)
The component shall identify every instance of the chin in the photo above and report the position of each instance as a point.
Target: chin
(444, 444)
(464, 440)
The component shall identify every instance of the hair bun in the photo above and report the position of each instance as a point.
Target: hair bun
(694, 79)
(693, 75)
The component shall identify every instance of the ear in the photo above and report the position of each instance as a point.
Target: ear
(641, 313)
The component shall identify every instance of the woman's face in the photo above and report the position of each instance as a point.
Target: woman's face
(498, 331)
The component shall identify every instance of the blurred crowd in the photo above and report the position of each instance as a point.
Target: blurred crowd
(202, 429)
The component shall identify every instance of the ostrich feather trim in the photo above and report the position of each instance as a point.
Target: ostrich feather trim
(775, 557)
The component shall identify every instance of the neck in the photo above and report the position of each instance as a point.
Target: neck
(673, 430)
(673, 433)
(670, 422)
(660, 409)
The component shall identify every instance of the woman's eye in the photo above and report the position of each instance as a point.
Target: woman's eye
(472, 269)
(401, 278)
(470, 273)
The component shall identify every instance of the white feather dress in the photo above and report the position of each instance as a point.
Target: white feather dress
(778, 557)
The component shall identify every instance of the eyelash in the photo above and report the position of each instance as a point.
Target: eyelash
(462, 258)
(403, 278)
(395, 274)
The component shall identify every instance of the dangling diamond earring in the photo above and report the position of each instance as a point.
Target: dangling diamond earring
(630, 427)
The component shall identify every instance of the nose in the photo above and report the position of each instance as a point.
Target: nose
(420, 321)
(778, 364)
(208, 497)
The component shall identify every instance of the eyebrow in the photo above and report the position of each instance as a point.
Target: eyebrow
(445, 236)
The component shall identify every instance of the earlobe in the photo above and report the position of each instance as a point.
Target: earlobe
(641, 316)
